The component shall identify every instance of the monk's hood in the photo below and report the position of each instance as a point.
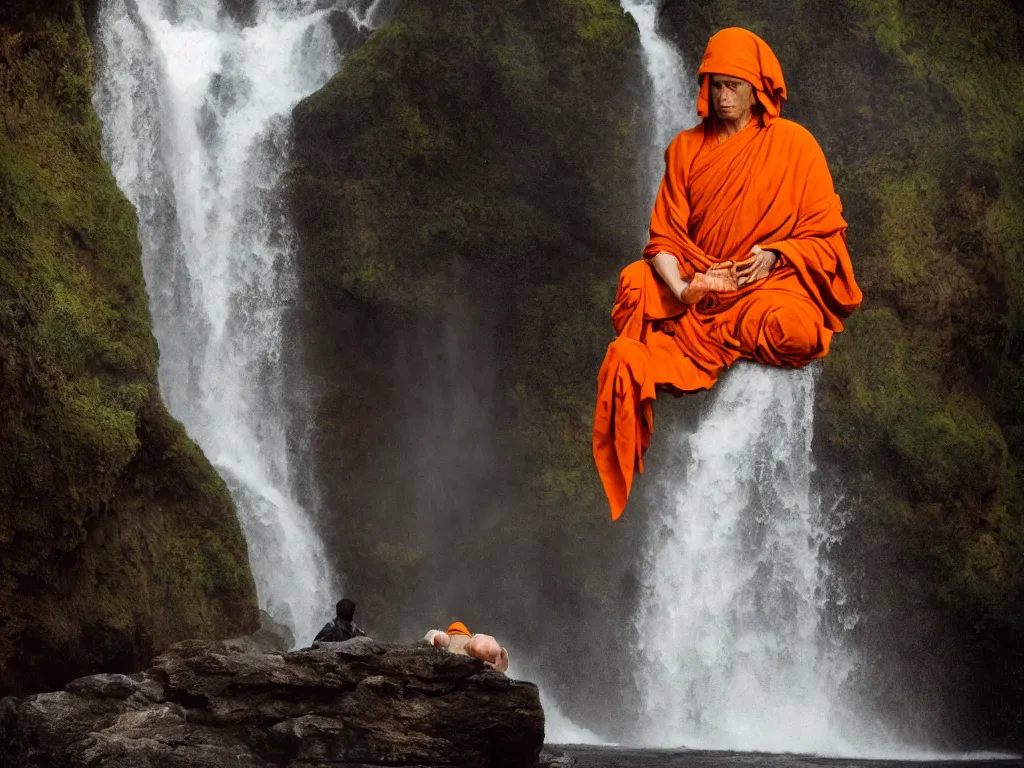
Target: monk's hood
(740, 53)
(458, 628)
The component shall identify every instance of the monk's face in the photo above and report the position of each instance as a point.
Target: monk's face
(732, 97)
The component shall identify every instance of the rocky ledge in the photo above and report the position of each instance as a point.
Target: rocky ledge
(357, 703)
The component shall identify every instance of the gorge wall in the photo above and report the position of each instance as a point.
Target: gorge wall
(116, 536)
(465, 192)
(920, 411)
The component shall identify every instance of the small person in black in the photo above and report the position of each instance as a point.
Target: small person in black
(342, 627)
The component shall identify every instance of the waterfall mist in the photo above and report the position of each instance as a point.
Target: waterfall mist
(196, 121)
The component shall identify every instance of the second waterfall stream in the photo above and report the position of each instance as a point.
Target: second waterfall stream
(196, 127)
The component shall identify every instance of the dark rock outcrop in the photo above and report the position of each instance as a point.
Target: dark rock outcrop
(116, 535)
(347, 33)
(356, 703)
(242, 12)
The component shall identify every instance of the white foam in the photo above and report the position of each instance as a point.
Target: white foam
(196, 116)
(558, 728)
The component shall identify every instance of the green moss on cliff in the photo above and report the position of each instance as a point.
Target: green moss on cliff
(116, 537)
(956, 221)
(434, 174)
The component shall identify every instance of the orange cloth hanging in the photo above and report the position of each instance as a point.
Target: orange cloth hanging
(767, 185)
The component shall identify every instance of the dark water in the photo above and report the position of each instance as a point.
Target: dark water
(624, 757)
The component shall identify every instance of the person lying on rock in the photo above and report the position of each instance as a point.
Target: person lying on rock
(746, 260)
(342, 627)
(457, 639)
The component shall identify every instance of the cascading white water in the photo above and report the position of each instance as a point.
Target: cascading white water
(733, 647)
(732, 626)
(673, 93)
(197, 130)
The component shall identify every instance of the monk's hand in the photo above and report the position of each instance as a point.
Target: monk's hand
(438, 639)
(756, 267)
(721, 277)
(486, 648)
(501, 664)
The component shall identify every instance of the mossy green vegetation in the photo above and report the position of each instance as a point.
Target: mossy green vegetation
(920, 108)
(515, 166)
(444, 154)
(465, 192)
(117, 537)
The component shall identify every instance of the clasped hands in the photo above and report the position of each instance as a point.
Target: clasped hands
(730, 276)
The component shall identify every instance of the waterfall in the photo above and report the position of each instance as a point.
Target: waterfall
(733, 633)
(734, 648)
(196, 127)
(673, 90)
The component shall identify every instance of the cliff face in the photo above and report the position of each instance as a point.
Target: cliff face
(921, 410)
(116, 535)
(465, 192)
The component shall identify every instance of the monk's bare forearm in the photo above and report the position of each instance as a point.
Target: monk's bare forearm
(667, 267)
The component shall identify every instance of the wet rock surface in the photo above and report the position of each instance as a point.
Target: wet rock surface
(347, 33)
(580, 756)
(345, 704)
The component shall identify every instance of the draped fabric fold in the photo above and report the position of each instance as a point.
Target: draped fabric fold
(767, 185)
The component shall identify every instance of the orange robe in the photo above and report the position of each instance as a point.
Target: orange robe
(767, 185)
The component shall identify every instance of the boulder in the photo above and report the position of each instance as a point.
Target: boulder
(348, 34)
(211, 704)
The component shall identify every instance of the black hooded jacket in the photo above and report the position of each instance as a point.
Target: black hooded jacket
(338, 630)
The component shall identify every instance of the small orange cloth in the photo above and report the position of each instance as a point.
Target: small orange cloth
(767, 185)
(458, 628)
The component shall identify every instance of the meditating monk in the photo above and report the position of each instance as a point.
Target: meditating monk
(746, 260)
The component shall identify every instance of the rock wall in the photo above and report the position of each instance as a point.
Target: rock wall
(117, 538)
(465, 192)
